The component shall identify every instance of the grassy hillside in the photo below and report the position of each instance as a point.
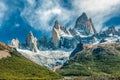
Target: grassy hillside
(99, 60)
(18, 67)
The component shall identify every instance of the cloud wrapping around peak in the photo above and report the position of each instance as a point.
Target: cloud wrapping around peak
(41, 14)
(18, 17)
(47, 12)
(99, 11)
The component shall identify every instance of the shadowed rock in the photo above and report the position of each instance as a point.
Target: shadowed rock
(77, 49)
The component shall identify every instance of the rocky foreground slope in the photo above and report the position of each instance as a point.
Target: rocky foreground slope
(15, 66)
(98, 60)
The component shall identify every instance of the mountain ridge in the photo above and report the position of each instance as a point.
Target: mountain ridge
(68, 38)
(64, 40)
(99, 61)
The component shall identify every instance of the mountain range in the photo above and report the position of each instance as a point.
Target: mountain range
(68, 38)
(63, 41)
(77, 51)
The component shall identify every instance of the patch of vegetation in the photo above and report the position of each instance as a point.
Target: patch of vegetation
(18, 67)
(1, 48)
(94, 63)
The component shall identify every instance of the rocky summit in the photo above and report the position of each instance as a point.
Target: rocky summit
(85, 25)
(31, 42)
(68, 38)
(59, 32)
(56, 33)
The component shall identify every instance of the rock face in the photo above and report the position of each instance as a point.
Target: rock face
(43, 43)
(31, 42)
(111, 31)
(15, 43)
(56, 32)
(68, 43)
(85, 25)
(119, 32)
(59, 32)
(5, 50)
(77, 49)
(69, 38)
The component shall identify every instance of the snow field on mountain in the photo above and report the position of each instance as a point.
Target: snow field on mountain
(48, 58)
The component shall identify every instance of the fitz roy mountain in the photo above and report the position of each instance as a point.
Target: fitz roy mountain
(64, 43)
(60, 39)
(85, 25)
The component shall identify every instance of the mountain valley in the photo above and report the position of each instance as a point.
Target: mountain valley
(80, 51)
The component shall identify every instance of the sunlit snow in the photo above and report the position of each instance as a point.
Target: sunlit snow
(48, 58)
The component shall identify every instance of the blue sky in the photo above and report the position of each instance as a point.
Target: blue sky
(18, 17)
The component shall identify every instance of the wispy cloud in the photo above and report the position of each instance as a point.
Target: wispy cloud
(99, 11)
(3, 9)
(41, 14)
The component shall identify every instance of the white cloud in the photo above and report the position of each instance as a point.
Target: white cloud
(99, 11)
(31, 2)
(3, 8)
(45, 16)
(40, 17)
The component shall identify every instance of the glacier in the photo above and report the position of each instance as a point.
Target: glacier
(47, 58)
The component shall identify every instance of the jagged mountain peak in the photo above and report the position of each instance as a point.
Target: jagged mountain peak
(30, 33)
(31, 42)
(56, 22)
(85, 25)
(83, 17)
(56, 25)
